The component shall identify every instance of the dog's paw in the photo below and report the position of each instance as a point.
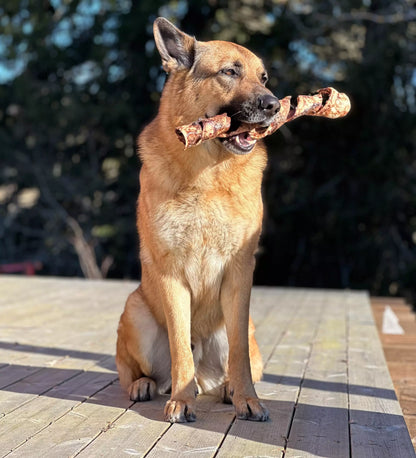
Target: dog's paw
(250, 409)
(226, 394)
(142, 389)
(179, 411)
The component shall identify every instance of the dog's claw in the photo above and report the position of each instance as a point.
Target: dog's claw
(251, 409)
(142, 389)
(226, 394)
(179, 412)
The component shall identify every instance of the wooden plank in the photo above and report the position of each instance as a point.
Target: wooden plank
(26, 357)
(30, 387)
(24, 423)
(43, 380)
(272, 325)
(49, 356)
(201, 438)
(79, 426)
(55, 306)
(279, 389)
(377, 426)
(10, 374)
(133, 433)
(382, 300)
(399, 351)
(70, 325)
(320, 423)
(161, 438)
(213, 417)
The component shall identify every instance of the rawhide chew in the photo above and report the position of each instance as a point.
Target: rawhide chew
(204, 129)
(326, 102)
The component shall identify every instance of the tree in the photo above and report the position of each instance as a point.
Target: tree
(79, 79)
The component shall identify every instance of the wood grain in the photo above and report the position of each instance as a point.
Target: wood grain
(325, 382)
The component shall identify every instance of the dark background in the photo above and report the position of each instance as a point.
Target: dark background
(79, 79)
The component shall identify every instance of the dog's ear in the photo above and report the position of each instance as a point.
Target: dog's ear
(176, 48)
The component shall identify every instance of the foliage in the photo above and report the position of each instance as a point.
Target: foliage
(80, 78)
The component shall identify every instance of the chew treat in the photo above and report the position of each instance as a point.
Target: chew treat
(326, 102)
(204, 129)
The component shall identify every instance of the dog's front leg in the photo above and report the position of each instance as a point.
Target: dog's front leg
(235, 301)
(177, 309)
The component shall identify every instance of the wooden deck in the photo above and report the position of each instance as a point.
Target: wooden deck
(325, 383)
(399, 345)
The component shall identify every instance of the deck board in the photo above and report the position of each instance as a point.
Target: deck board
(377, 423)
(325, 382)
(320, 423)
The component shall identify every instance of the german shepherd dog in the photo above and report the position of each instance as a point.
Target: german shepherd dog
(186, 329)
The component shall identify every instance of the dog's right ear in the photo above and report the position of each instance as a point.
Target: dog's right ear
(176, 48)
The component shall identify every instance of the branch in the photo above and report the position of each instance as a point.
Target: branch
(354, 16)
(85, 251)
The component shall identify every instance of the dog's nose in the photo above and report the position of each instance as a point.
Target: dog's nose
(269, 104)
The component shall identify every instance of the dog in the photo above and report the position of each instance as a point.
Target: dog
(186, 329)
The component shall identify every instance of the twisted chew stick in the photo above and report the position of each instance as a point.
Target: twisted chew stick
(204, 129)
(326, 102)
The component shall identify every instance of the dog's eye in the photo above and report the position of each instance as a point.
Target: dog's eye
(229, 72)
(264, 78)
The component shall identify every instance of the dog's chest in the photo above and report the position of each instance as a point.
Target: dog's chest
(198, 237)
(198, 227)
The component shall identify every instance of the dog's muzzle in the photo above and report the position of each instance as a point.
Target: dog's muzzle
(259, 110)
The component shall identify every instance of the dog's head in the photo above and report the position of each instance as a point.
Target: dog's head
(217, 77)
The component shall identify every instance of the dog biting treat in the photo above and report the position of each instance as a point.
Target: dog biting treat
(326, 102)
(204, 129)
(187, 329)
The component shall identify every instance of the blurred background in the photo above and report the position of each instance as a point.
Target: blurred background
(80, 78)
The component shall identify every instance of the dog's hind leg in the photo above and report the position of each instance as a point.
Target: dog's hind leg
(142, 359)
(132, 379)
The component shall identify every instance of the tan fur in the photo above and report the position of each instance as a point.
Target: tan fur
(199, 222)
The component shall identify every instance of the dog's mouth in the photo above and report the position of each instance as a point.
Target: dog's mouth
(239, 144)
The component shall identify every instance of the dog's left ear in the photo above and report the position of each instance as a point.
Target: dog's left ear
(176, 48)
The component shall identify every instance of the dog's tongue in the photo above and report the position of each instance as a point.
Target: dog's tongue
(244, 140)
